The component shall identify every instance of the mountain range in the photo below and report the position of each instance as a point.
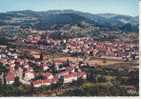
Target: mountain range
(46, 19)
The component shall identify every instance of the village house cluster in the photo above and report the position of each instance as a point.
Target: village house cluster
(104, 49)
(45, 72)
(43, 42)
(26, 70)
(87, 45)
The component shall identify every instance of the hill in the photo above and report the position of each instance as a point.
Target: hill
(46, 19)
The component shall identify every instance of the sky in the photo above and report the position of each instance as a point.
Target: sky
(126, 7)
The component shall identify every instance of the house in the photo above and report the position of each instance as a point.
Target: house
(19, 72)
(12, 64)
(37, 83)
(10, 78)
(70, 77)
(47, 82)
(63, 73)
(59, 62)
(26, 65)
(29, 75)
(45, 67)
(48, 75)
(82, 75)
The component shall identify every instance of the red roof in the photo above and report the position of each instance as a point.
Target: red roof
(10, 75)
(37, 82)
(65, 72)
(49, 81)
(59, 61)
(81, 74)
(72, 74)
(47, 74)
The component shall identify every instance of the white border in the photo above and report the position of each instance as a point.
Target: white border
(106, 97)
(139, 46)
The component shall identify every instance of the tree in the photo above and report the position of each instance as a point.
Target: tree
(61, 81)
(9, 90)
(53, 86)
(101, 78)
(91, 74)
(79, 81)
(25, 89)
(77, 92)
(37, 69)
(17, 82)
(133, 78)
(43, 89)
(104, 60)
(3, 72)
(16, 67)
(41, 56)
(53, 68)
(67, 63)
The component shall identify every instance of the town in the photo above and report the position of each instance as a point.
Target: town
(44, 61)
(69, 48)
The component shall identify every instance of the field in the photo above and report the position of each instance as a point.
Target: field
(91, 61)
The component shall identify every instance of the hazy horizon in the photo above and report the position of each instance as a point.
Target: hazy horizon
(68, 10)
(122, 7)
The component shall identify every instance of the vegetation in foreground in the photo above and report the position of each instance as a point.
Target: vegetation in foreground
(100, 82)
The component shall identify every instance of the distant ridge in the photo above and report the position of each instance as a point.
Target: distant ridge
(44, 19)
